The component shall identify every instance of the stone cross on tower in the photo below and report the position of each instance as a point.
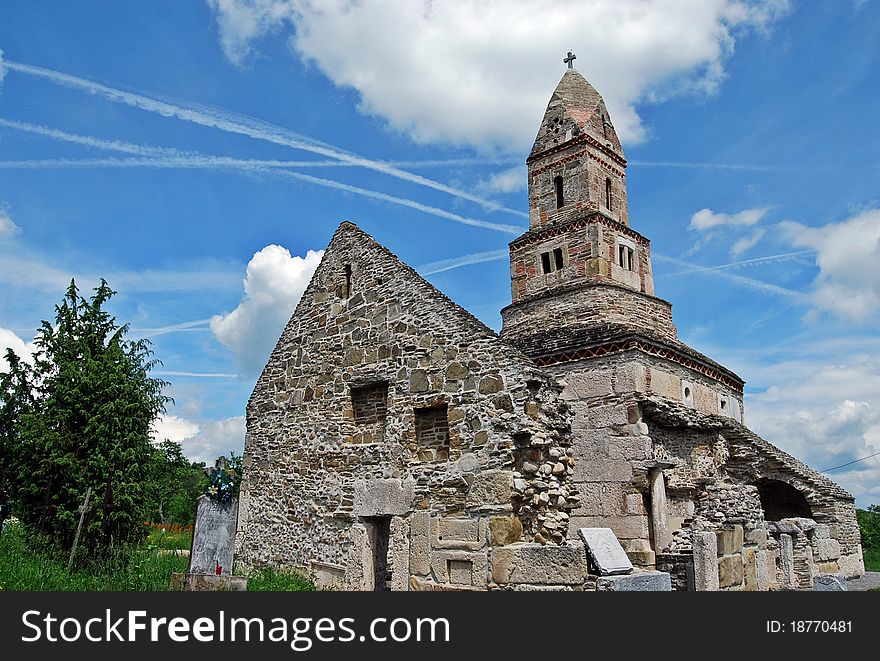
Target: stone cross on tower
(569, 59)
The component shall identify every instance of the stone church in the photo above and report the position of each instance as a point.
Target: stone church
(395, 442)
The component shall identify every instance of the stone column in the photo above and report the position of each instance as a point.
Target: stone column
(659, 515)
(705, 562)
(786, 554)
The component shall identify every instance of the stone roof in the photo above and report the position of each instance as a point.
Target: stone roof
(567, 339)
(572, 106)
(741, 438)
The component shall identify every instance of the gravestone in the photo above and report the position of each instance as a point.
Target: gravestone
(605, 551)
(211, 553)
(213, 537)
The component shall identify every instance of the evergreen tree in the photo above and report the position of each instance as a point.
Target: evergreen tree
(173, 486)
(94, 405)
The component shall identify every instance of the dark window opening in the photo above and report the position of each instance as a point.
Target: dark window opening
(604, 127)
(370, 406)
(560, 198)
(780, 500)
(346, 285)
(545, 262)
(608, 194)
(379, 528)
(557, 258)
(626, 257)
(432, 433)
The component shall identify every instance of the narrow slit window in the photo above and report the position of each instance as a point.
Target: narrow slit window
(604, 127)
(608, 194)
(346, 285)
(545, 262)
(557, 258)
(621, 254)
(629, 259)
(560, 197)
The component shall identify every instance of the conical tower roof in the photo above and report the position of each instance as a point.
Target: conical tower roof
(575, 108)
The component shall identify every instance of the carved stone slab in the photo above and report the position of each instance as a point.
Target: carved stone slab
(605, 551)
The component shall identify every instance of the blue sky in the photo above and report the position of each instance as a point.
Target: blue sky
(199, 156)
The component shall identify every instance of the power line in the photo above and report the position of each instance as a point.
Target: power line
(828, 470)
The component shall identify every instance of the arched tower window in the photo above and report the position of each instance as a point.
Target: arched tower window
(560, 197)
(608, 193)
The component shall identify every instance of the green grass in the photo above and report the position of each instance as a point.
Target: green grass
(270, 580)
(169, 540)
(23, 568)
(872, 560)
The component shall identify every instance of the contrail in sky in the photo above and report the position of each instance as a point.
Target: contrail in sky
(251, 127)
(751, 283)
(464, 260)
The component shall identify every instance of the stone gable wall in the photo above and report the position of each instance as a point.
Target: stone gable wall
(315, 475)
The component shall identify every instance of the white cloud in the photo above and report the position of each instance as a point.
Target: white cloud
(273, 285)
(511, 180)
(746, 243)
(826, 414)
(205, 440)
(705, 219)
(9, 340)
(481, 72)
(848, 256)
(8, 228)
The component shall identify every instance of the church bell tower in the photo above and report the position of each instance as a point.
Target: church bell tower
(580, 261)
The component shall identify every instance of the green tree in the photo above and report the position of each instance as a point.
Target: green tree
(174, 484)
(869, 525)
(93, 407)
(16, 400)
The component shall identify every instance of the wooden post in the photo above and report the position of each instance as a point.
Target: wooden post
(82, 515)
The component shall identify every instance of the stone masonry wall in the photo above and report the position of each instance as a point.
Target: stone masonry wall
(590, 304)
(318, 474)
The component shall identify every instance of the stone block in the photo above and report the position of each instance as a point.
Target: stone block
(208, 583)
(757, 536)
(665, 384)
(327, 576)
(624, 527)
(603, 470)
(762, 570)
(602, 499)
(750, 570)
(822, 531)
(539, 565)
(420, 543)
(630, 377)
(605, 551)
(383, 497)
(705, 399)
(730, 540)
(450, 533)
(786, 555)
(730, 571)
(829, 583)
(705, 545)
(490, 487)
(648, 581)
(831, 567)
(399, 552)
(826, 549)
(447, 565)
(852, 565)
(505, 530)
